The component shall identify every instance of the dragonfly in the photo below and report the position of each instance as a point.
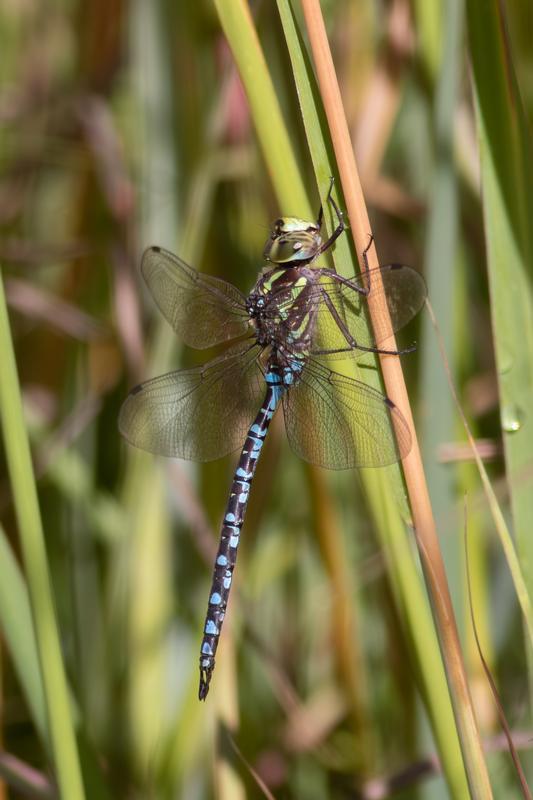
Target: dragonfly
(278, 343)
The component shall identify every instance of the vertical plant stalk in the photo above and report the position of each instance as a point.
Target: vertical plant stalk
(60, 724)
(380, 489)
(18, 635)
(440, 250)
(3, 787)
(238, 27)
(146, 604)
(278, 152)
(506, 165)
(277, 149)
(426, 533)
(344, 617)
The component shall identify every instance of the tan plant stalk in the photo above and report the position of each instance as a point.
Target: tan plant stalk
(426, 533)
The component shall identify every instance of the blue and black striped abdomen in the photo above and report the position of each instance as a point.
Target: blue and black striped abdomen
(231, 529)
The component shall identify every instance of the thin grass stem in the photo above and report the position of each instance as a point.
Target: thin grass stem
(60, 723)
(426, 533)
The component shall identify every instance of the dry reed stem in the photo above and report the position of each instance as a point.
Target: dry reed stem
(426, 533)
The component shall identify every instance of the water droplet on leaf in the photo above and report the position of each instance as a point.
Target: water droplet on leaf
(512, 418)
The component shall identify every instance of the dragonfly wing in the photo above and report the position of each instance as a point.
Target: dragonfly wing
(199, 414)
(337, 422)
(203, 310)
(341, 312)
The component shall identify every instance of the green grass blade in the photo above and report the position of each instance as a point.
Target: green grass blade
(148, 596)
(18, 455)
(315, 129)
(429, 23)
(324, 168)
(17, 628)
(506, 173)
(279, 156)
(409, 590)
(290, 191)
(438, 419)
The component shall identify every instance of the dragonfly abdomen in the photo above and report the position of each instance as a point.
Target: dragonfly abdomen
(232, 524)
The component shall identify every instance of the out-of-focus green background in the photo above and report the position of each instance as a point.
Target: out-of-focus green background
(124, 125)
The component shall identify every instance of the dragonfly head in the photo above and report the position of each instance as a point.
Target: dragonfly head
(291, 240)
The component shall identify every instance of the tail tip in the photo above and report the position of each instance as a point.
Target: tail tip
(205, 680)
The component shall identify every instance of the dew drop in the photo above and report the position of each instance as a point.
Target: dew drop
(512, 418)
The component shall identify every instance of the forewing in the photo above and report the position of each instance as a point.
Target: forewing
(341, 312)
(203, 310)
(199, 414)
(337, 422)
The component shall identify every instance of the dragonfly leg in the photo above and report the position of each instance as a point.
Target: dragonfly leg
(351, 342)
(364, 290)
(340, 217)
(328, 199)
(366, 271)
(378, 350)
(330, 273)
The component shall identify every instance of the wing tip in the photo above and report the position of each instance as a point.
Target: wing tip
(402, 434)
(147, 255)
(153, 248)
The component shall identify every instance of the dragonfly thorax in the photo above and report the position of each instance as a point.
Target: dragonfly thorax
(293, 240)
(281, 308)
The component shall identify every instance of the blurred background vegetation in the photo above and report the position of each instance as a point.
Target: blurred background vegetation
(125, 125)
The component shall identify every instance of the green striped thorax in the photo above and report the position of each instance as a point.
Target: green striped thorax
(292, 239)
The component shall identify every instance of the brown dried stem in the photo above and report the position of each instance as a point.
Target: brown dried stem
(426, 533)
